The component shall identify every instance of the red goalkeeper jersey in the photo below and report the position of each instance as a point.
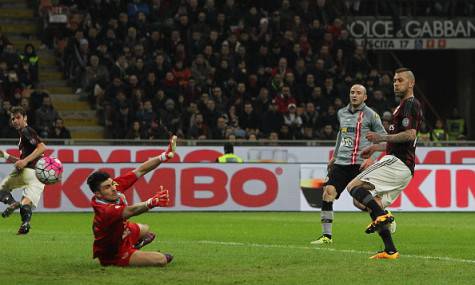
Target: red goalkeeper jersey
(109, 227)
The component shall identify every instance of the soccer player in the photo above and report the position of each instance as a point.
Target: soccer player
(356, 120)
(380, 184)
(117, 240)
(23, 176)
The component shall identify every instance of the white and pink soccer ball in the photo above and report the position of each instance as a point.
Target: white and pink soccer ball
(49, 170)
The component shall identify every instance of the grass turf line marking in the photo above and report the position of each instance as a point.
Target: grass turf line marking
(260, 245)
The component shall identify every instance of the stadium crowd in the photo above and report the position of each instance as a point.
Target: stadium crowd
(206, 69)
(18, 87)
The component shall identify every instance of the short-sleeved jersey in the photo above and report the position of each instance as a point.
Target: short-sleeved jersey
(109, 227)
(408, 115)
(351, 138)
(29, 139)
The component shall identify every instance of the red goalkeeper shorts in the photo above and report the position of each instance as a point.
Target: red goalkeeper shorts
(126, 249)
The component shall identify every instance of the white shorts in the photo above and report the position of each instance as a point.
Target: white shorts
(389, 176)
(25, 180)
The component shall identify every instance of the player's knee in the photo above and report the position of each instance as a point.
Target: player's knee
(356, 183)
(360, 206)
(6, 197)
(144, 229)
(329, 193)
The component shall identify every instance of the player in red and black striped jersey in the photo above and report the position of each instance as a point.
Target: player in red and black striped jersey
(23, 177)
(380, 184)
(407, 116)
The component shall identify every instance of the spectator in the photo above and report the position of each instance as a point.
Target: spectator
(249, 120)
(219, 132)
(136, 132)
(10, 56)
(45, 116)
(30, 58)
(171, 118)
(310, 116)
(327, 133)
(378, 102)
(272, 120)
(456, 126)
(198, 128)
(210, 114)
(293, 120)
(439, 133)
(59, 131)
(284, 99)
(424, 134)
(121, 121)
(200, 70)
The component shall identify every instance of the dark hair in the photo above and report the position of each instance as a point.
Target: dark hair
(94, 180)
(228, 148)
(18, 110)
(409, 72)
(402, 69)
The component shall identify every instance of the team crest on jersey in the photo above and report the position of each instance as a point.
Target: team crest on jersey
(348, 142)
(391, 127)
(405, 122)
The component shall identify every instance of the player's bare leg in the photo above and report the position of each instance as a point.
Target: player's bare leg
(150, 258)
(26, 213)
(146, 236)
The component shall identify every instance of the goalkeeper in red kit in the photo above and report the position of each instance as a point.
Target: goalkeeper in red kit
(116, 240)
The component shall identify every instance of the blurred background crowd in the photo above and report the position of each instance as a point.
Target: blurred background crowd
(209, 69)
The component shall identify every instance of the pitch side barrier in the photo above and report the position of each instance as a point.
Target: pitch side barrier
(273, 179)
(256, 187)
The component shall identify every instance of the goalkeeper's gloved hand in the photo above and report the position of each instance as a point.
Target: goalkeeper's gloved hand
(4, 154)
(170, 152)
(161, 199)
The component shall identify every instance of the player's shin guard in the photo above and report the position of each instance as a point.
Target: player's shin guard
(6, 197)
(364, 197)
(25, 212)
(385, 235)
(326, 216)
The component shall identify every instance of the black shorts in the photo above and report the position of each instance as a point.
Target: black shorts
(341, 175)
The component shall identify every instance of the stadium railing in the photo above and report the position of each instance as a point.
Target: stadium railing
(238, 142)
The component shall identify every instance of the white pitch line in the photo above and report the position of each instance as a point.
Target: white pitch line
(260, 245)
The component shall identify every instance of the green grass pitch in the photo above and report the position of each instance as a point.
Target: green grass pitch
(246, 248)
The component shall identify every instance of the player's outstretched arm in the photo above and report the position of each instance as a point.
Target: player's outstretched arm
(161, 199)
(154, 162)
(7, 157)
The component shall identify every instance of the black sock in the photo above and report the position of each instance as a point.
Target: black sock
(373, 216)
(326, 217)
(385, 234)
(25, 212)
(7, 198)
(327, 206)
(364, 197)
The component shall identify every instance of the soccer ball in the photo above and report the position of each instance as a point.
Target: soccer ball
(49, 170)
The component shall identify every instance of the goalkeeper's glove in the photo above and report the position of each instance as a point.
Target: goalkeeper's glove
(170, 152)
(161, 199)
(4, 154)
